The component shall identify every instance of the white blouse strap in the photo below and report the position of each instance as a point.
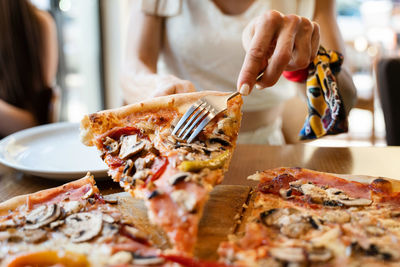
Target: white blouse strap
(162, 8)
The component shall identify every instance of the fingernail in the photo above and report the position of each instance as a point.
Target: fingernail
(244, 89)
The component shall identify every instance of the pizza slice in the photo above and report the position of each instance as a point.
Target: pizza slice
(173, 177)
(301, 217)
(72, 225)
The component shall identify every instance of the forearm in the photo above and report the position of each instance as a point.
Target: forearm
(347, 89)
(136, 81)
(332, 39)
(13, 119)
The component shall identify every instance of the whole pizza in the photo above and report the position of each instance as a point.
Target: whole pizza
(300, 217)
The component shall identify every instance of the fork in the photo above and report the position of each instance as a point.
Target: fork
(205, 109)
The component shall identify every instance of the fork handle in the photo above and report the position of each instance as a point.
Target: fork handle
(233, 95)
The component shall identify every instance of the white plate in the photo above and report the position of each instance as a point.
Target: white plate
(52, 151)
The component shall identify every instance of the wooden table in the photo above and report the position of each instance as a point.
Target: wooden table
(375, 161)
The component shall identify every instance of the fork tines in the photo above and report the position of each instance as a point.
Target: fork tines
(195, 119)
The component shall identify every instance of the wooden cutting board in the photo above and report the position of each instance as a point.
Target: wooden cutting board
(220, 217)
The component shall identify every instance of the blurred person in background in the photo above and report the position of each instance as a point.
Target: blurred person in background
(201, 48)
(28, 65)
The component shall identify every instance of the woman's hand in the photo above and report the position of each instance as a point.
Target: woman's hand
(275, 43)
(170, 84)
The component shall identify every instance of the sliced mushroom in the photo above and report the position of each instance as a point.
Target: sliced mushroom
(286, 194)
(141, 174)
(107, 218)
(111, 199)
(314, 222)
(317, 194)
(72, 207)
(146, 162)
(88, 194)
(277, 217)
(184, 199)
(34, 236)
(296, 229)
(153, 194)
(82, 226)
(56, 224)
(320, 255)
(395, 213)
(120, 258)
(288, 254)
(8, 236)
(336, 216)
(128, 167)
(135, 233)
(109, 230)
(220, 139)
(356, 202)
(42, 215)
(111, 145)
(10, 223)
(374, 230)
(179, 177)
(130, 146)
(149, 260)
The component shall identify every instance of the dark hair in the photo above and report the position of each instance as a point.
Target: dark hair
(22, 79)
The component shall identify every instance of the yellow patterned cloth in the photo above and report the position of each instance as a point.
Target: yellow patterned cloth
(326, 113)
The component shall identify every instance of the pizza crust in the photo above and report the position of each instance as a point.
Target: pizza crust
(364, 179)
(15, 202)
(98, 123)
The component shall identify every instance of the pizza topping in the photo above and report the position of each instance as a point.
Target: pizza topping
(153, 194)
(290, 221)
(111, 145)
(134, 233)
(107, 218)
(327, 196)
(377, 250)
(88, 194)
(179, 177)
(10, 223)
(72, 207)
(184, 199)
(42, 215)
(56, 224)
(320, 255)
(374, 230)
(214, 163)
(147, 260)
(49, 258)
(120, 258)
(273, 186)
(335, 216)
(286, 193)
(34, 236)
(288, 254)
(158, 168)
(82, 226)
(111, 199)
(130, 145)
(218, 139)
(356, 202)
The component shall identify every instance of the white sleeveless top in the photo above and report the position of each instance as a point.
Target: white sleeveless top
(203, 45)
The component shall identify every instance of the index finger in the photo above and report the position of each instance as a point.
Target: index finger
(257, 55)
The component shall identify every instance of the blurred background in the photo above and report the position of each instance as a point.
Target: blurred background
(92, 33)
